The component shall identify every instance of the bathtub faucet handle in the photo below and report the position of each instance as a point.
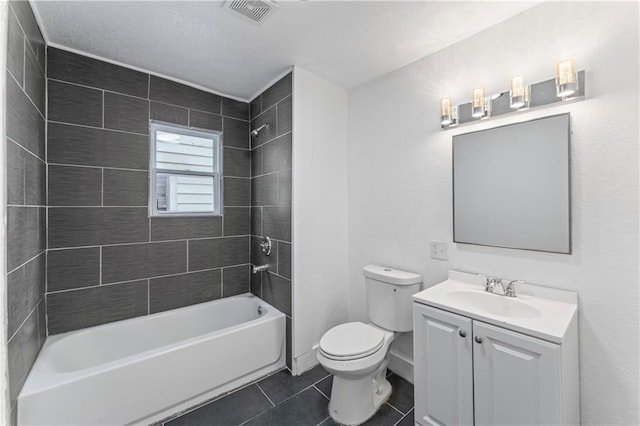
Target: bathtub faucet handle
(265, 245)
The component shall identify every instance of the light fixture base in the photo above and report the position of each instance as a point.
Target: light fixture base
(567, 89)
(540, 94)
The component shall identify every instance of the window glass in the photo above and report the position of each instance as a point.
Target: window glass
(185, 171)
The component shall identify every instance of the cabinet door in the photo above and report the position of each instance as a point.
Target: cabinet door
(443, 373)
(516, 378)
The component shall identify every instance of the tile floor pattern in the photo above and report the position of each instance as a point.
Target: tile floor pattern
(282, 400)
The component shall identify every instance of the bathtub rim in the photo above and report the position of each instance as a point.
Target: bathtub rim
(65, 377)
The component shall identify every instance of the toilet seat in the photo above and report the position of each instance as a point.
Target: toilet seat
(351, 341)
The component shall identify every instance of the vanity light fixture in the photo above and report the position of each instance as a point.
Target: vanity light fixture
(570, 87)
(519, 94)
(566, 78)
(448, 113)
(478, 103)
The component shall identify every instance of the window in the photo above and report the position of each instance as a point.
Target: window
(186, 166)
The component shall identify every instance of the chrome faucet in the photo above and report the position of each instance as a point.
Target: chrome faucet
(260, 268)
(490, 284)
(510, 290)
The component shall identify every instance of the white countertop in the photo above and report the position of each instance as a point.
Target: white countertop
(556, 308)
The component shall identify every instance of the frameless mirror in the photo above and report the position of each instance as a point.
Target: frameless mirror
(511, 186)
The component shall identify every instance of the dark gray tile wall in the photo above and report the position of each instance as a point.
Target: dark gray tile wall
(70, 310)
(271, 163)
(181, 290)
(107, 260)
(26, 193)
(73, 268)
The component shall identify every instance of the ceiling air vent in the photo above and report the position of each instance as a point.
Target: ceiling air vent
(256, 11)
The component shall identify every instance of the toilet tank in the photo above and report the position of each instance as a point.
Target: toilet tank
(389, 292)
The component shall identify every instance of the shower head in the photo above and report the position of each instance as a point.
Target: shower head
(256, 132)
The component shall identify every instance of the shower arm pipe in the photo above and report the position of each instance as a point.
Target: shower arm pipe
(256, 132)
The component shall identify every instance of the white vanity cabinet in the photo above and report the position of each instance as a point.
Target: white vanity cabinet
(468, 371)
(443, 367)
(517, 378)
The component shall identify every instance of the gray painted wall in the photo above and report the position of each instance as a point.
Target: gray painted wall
(26, 196)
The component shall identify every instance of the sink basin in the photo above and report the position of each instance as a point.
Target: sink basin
(543, 312)
(494, 304)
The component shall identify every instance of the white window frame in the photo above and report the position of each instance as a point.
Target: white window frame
(156, 126)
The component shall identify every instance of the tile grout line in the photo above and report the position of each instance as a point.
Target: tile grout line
(256, 416)
(85, 86)
(138, 243)
(105, 129)
(81, 207)
(24, 148)
(46, 183)
(100, 271)
(150, 99)
(221, 396)
(145, 278)
(24, 92)
(288, 399)
(321, 392)
(24, 321)
(266, 396)
(389, 404)
(24, 264)
(222, 282)
(144, 242)
(403, 417)
(102, 187)
(312, 385)
(24, 181)
(86, 166)
(272, 140)
(324, 420)
(255, 382)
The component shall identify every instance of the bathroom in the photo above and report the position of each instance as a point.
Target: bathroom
(353, 170)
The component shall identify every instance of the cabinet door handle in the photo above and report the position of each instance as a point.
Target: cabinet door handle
(478, 339)
(462, 333)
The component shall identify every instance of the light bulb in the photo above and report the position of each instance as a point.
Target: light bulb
(566, 78)
(477, 102)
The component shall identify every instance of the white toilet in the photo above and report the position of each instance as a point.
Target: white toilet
(356, 353)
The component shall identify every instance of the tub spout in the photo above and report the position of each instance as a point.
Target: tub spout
(260, 268)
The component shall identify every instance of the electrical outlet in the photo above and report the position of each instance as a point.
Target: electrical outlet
(439, 250)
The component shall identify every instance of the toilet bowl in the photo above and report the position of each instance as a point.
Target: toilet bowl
(356, 353)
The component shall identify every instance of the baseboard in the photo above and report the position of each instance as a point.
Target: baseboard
(305, 361)
(401, 365)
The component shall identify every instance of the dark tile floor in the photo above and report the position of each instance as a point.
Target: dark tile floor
(281, 400)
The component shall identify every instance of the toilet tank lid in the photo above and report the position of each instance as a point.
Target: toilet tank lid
(390, 275)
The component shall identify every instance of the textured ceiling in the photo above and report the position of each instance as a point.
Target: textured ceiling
(204, 44)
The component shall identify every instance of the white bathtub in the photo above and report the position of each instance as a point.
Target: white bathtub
(144, 369)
